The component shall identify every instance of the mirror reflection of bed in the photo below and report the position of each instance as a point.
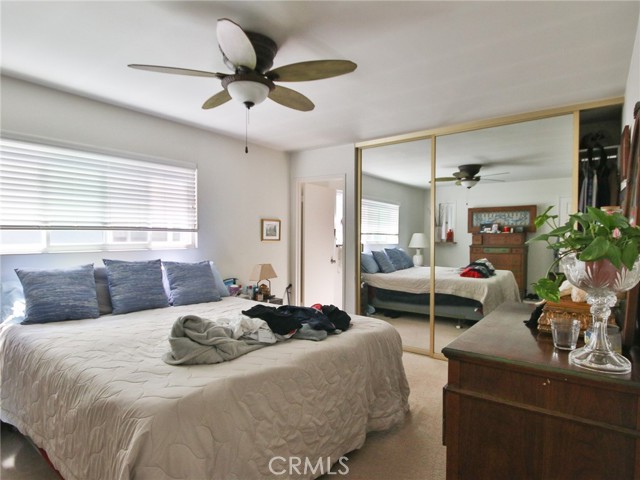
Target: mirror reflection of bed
(525, 162)
(402, 298)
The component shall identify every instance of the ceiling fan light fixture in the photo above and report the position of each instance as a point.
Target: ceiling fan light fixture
(248, 92)
(469, 182)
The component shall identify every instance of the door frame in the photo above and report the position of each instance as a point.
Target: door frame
(298, 260)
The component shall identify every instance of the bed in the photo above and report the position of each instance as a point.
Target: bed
(456, 297)
(95, 395)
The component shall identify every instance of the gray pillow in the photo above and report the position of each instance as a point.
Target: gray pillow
(399, 258)
(58, 294)
(368, 263)
(383, 262)
(135, 286)
(191, 283)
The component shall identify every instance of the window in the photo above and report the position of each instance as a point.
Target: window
(380, 222)
(62, 199)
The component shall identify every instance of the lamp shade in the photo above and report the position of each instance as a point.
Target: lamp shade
(262, 271)
(469, 182)
(248, 92)
(419, 240)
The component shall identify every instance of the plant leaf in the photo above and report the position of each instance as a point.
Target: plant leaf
(595, 250)
(548, 289)
(630, 253)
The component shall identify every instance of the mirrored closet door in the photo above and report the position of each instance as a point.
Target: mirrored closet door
(475, 190)
(394, 241)
(495, 180)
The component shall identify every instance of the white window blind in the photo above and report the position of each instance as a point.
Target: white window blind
(380, 221)
(53, 188)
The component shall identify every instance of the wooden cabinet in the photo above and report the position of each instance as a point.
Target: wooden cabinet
(515, 408)
(506, 251)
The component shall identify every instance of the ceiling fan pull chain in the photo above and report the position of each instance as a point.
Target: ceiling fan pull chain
(246, 132)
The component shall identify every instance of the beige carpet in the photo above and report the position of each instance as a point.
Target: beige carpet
(414, 329)
(412, 451)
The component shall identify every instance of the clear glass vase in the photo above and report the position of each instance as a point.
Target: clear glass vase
(602, 281)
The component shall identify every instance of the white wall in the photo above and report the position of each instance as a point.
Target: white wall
(413, 204)
(541, 193)
(338, 161)
(235, 189)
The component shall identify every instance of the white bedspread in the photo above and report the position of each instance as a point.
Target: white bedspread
(491, 292)
(96, 395)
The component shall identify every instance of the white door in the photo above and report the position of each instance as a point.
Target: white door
(320, 265)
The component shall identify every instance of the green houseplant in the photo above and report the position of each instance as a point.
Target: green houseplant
(592, 235)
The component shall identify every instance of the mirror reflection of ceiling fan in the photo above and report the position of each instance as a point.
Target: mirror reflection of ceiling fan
(467, 176)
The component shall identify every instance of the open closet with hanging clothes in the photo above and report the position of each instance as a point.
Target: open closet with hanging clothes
(599, 174)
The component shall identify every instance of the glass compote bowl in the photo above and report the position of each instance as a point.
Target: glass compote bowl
(602, 281)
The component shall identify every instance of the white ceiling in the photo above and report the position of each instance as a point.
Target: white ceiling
(530, 150)
(420, 64)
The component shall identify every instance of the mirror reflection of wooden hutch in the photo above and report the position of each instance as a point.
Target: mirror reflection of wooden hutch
(499, 235)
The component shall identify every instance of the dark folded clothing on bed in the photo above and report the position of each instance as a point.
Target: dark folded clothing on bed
(478, 269)
(286, 318)
(339, 318)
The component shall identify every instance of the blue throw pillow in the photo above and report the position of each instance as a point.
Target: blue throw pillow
(383, 262)
(135, 286)
(58, 294)
(222, 288)
(191, 283)
(399, 258)
(368, 263)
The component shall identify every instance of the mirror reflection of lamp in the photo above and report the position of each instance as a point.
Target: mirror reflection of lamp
(418, 241)
(261, 272)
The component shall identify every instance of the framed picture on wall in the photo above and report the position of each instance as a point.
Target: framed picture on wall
(270, 230)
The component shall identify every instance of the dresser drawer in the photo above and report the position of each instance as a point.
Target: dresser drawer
(551, 392)
(489, 239)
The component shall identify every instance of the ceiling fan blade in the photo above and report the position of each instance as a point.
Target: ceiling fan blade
(290, 98)
(445, 179)
(494, 174)
(235, 44)
(312, 70)
(217, 100)
(177, 71)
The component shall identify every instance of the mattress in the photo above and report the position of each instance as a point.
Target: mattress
(97, 397)
(490, 292)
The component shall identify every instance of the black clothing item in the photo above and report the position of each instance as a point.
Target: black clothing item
(339, 318)
(286, 318)
(315, 318)
(279, 322)
(535, 315)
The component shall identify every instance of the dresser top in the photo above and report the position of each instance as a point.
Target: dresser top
(502, 337)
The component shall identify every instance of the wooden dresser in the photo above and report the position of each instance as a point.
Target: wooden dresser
(506, 251)
(515, 409)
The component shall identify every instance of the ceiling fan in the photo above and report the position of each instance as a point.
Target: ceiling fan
(250, 55)
(467, 176)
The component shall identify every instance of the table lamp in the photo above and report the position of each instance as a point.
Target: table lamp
(418, 241)
(263, 271)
